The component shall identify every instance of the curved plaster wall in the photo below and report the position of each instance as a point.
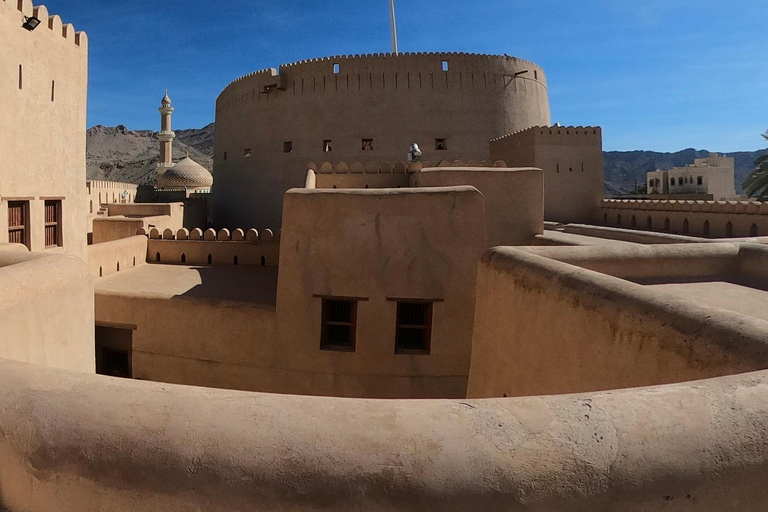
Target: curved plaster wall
(392, 100)
(76, 442)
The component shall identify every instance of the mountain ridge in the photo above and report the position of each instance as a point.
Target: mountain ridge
(117, 153)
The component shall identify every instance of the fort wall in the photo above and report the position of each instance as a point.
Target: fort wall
(43, 89)
(108, 258)
(714, 219)
(46, 310)
(635, 449)
(269, 124)
(572, 160)
(251, 248)
(648, 337)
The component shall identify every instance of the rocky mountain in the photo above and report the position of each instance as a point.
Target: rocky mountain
(119, 154)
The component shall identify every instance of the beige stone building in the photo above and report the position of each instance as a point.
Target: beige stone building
(706, 178)
(44, 88)
(557, 367)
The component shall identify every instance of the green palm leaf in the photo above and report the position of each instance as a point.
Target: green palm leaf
(756, 183)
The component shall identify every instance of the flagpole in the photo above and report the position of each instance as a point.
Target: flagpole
(394, 26)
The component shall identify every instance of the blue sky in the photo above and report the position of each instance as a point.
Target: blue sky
(660, 75)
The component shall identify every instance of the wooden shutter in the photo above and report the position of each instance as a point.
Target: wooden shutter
(52, 223)
(17, 222)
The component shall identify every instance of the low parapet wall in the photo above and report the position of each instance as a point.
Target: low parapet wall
(695, 446)
(632, 235)
(543, 326)
(46, 311)
(717, 219)
(111, 257)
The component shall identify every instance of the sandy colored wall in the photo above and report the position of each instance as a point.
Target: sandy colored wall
(478, 98)
(197, 252)
(43, 141)
(111, 257)
(377, 245)
(101, 192)
(572, 160)
(46, 310)
(747, 218)
(543, 326)
(125, 220)
(632, 235)
(677, 448)
(514, 199)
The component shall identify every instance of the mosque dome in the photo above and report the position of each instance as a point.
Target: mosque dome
(166, 101)
(185, 174)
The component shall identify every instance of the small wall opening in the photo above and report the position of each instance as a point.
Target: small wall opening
(113, 352)
(101, 272)
(686, 226)
(753, 231)
(445, 65)
(441, 144)
(183, 258)
(633, 222)
(288, 146)
(336, 69)
(134, 261)
(118, 266)
(705, 229)
(327, 145)
(247, 153)
(618, 220)
(649, 222)
(210, 259)
(729, 230)
(605, 218)
(53, 90)
(666, 224)
(263, 261)
(21, 77)
(235, 261)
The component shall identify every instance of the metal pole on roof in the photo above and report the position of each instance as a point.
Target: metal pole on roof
(394, 26)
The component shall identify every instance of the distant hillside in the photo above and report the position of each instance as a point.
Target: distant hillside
(120, 154)
(622, 168)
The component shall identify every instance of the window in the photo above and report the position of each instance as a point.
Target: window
(21, 77)
(414, 327)
(672, 182)
(367, 144)
(18, 214)
(288, 146)
(225, 155)
(336, 69)
(53, 224)
(445, 65)
(441, 144)
(535, 75)
(699, 180)
(53, 90)
(327, 145)
(339, 325)
(247, 152)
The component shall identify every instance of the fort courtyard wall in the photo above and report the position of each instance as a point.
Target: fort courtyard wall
(715, 219)
(269, 124)
(43, 88)
(607, 332)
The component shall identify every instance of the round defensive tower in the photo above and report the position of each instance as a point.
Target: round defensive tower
(366, 108)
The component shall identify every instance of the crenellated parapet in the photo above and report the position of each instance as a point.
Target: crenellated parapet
(48, 21)
(697, 206)
(252, 235)
(393, 168)
(556, 131)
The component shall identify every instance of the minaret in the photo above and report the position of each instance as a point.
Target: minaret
(165, 136)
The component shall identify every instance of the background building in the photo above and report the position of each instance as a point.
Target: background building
(705, 178)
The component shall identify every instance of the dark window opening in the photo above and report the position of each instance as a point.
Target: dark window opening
(633, 221)
(605, 218)
(666, 224)
(21, 77)
(618, 220)
(753, 230)
(445, 65)
(327, 145)
(414, 328)
(699, 180)
(441, 144)
(134, 261)
(649, 222)
(288, 146)
(210, 259)
(686, 226)
(247, 153)
(367, 144)
(113, 352)
(101, 272)
(235, 260)
(53, 90)
(225, 155)
(672, 182)
(705, 230)
(339, 325)
(183, 258)
(118, 266)
(157, 257)
(18, 215)
(336, 69)
(53, 224)
(263, 261)
(728, 230)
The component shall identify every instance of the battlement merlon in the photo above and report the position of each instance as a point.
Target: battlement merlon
(51, 22)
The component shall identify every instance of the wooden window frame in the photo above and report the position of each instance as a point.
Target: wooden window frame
(325, 343)
(56, 223)
(427, 327)
(23, 228)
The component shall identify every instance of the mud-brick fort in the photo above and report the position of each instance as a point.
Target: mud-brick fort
(479, 329)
